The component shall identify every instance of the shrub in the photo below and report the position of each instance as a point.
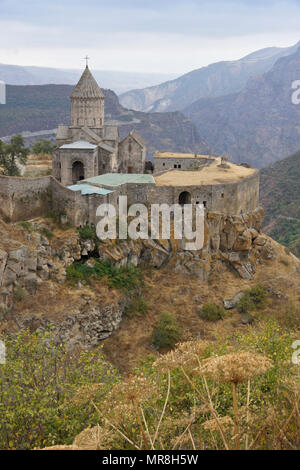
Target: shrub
(212, 312)
(167, 331)
(38, 387)
(26, 225)
(87, 233)
(137, 305)
(253, 299)
(19, 294)
(127, 277)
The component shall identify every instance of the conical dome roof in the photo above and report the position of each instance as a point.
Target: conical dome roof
(87, 87)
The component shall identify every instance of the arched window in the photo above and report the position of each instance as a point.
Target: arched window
(77, 172)
(184, 198)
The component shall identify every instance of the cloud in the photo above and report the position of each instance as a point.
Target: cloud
(165, 35)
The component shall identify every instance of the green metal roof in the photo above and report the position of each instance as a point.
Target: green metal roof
(117, 179)
(89, 189)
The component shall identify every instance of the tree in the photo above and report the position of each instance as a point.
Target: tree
(11, 155)
(42, 147)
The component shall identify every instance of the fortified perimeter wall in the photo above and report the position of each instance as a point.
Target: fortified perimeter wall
(234, 198)
(24, 198)
(27, 198)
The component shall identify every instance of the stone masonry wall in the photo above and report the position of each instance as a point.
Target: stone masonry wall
(24, 198)
(230, 198)
(187, 164)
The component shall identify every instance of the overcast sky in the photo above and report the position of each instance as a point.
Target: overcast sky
(171, 36)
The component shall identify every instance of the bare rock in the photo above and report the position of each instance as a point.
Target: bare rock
(230, 304)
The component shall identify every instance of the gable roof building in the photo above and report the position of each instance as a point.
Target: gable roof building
(90, 147)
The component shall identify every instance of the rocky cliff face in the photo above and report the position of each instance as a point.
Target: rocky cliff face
(230, 242)
(33, 272)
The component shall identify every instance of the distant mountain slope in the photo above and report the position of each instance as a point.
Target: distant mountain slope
(258, 124)
(36, 108)
(280, 196)
(117, 80)
(217, 79)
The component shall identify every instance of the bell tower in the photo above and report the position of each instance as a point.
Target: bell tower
(87, 102)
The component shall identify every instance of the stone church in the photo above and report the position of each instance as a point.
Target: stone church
(89, 147)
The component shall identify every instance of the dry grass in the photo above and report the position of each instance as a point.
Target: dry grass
(211, 174)
(130, 344)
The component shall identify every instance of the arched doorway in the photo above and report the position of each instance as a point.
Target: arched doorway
(77, 172)
(184, 198)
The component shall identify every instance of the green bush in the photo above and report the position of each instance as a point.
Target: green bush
(87, 233)
(253, 299)
(167, 331)
(137, 305)
(27, 225)
(127, 277)
(212, 312)
(38, 385)
(19, 294)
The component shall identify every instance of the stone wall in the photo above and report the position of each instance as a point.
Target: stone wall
(231, 198)
(132, 156)
(24, 198)
(188, 164)
(27, 198)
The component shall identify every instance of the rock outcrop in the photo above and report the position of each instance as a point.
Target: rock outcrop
(232, 241)
(31, 260)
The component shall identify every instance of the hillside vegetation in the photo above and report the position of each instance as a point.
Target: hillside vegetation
(280, 196)
(183, 370)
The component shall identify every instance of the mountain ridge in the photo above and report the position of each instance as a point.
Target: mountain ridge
(259, 124)
(119, 81)
(217, 79)
(42, 107)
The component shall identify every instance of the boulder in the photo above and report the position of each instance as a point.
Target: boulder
(232, 303)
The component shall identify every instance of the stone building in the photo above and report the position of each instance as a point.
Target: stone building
(132, 151)
(90, 147)
(182, 161)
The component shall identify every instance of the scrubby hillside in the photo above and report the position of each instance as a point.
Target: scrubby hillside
(62, 301)
(280, 196)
